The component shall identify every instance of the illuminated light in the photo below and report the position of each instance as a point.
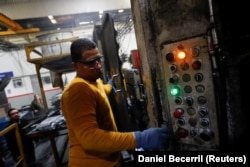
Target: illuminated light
(50, 17)
(181, 55)
(120, 11)
(84, 22)
(53, 21)
(175, 90)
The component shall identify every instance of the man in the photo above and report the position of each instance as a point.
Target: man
(93, 136)
(37, 106)
(28, 145)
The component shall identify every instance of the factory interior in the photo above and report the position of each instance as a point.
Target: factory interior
(202, 97)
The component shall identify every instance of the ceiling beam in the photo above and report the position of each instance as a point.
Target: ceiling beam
(7, 22)
(13, 27)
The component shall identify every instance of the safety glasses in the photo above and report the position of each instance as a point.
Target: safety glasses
(93, 62)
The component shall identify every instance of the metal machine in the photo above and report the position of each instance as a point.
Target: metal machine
(190, 92)
(188, 78)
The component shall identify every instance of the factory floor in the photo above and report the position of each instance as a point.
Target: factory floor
(44, 155)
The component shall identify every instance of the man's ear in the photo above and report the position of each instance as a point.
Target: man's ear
(74, 64)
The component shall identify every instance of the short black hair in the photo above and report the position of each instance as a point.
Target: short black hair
(79, 46)
(11, 109)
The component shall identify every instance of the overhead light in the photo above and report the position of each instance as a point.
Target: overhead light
(120, 11)
(50, 17)
(84, 22)
(53, 21)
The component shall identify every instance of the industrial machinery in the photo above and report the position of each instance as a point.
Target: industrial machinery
(190, 92)
(136, 98)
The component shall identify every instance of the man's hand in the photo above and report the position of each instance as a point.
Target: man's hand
(111, 82)
(153, 138)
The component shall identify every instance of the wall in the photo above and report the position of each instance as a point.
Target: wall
(20, 89)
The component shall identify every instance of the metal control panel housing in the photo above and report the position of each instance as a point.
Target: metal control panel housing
(189, 84)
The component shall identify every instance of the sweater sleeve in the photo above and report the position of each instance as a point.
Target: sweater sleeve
(90, 120)
(107, 87)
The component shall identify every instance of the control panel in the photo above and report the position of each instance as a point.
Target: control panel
(190, 92)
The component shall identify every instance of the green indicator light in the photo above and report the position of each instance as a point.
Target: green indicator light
(175, 90)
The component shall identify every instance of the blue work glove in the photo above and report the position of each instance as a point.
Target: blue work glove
(111, 82)
(153, 138)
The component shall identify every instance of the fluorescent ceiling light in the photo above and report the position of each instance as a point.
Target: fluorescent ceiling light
(84, 22)
(50, 17)
(53, 21)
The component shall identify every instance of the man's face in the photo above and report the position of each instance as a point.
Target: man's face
(89, 67)
(14, 115)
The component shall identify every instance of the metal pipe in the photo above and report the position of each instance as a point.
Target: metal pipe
(213, 30)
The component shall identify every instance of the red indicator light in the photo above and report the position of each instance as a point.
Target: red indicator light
(178, 112)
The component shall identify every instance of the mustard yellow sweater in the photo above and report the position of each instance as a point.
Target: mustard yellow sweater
(93, 137)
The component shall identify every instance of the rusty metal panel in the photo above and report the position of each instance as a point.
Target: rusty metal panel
(112, 66)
